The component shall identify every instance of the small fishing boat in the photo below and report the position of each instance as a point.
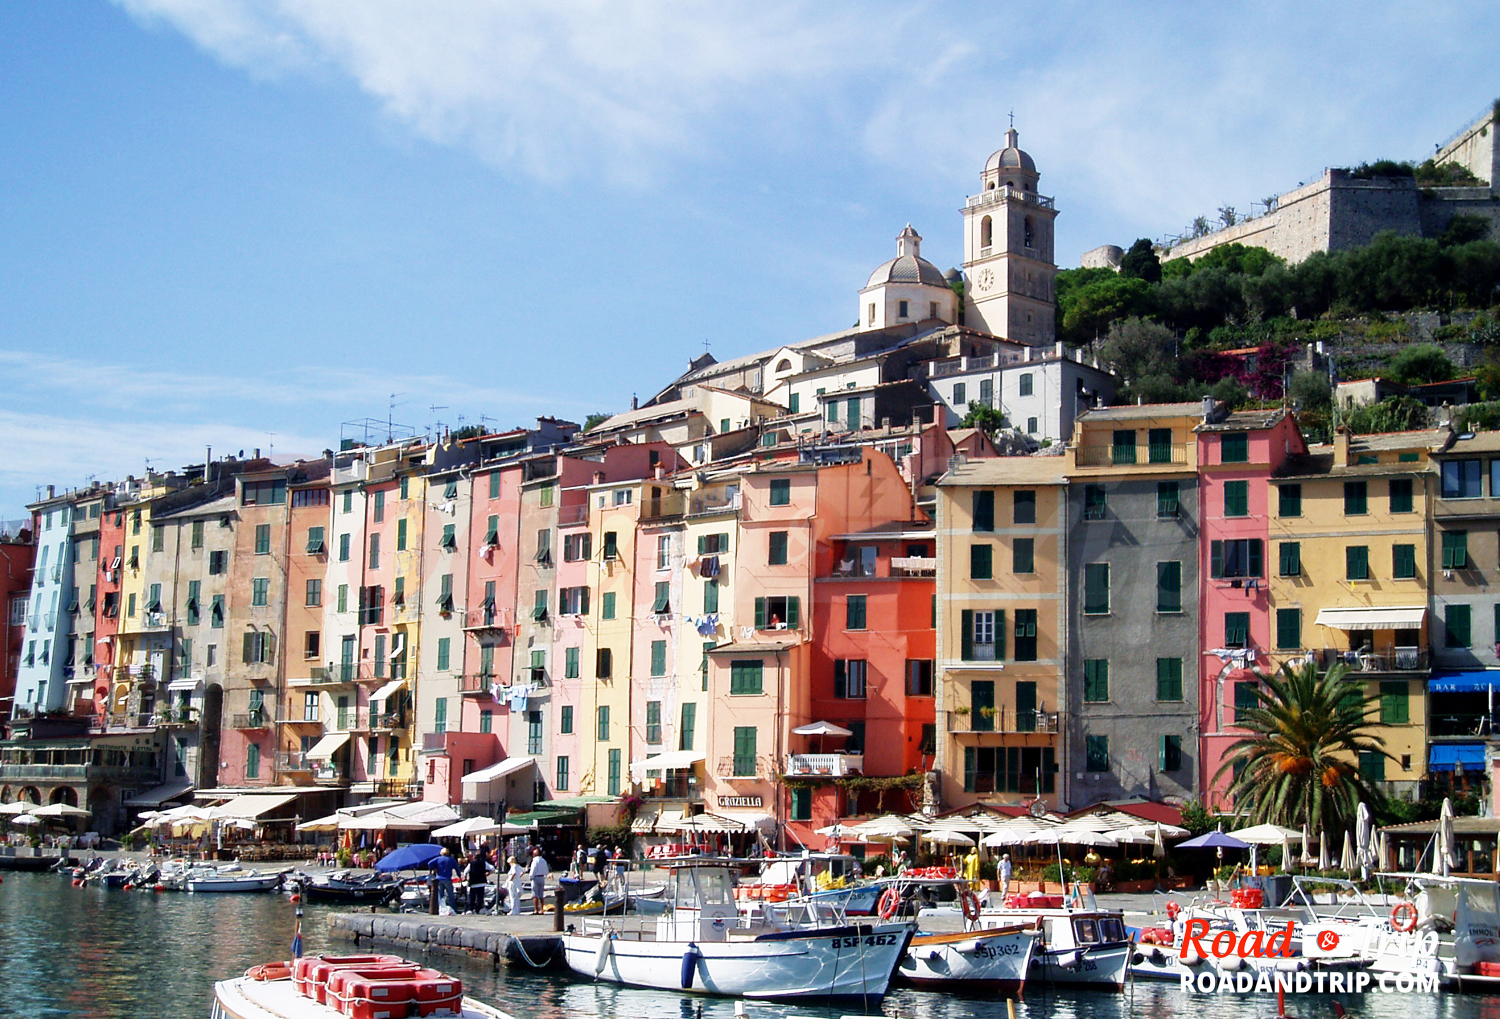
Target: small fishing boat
(362, 987)
(348, 889)
(994, 961)
(234, 881)
(1079, 947)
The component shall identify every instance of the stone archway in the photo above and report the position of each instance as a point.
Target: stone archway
(5, 794)
(102, 806)
(31, 794)
(65, 794)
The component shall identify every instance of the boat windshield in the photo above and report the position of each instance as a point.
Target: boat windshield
(698, 887)
(1087, 931)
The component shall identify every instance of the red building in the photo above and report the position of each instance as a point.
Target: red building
(17, 553)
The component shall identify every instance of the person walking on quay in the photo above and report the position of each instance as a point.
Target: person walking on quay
(971, 869)
(539, 872)
(1003, 871)
(580, 860)
(479, 878)
(442, 868)
(515, 881)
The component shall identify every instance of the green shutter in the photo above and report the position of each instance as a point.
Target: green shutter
(1289, 629)
(984, 510)
(760, 613)
(658, 658)
(1291, 558)
(1216, 559)
(793, 613)
(1404, 562)
(1289, 501)
(1394, 703)
(1169, 679)
(1236, 498)
(1455, 550)
(966, 638)
(1456, 619)
(1169, 587)
(980, 562)
(1096, 588)
(1023, 555)
(1096, 679)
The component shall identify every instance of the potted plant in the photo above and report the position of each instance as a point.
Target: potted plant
(962, 711)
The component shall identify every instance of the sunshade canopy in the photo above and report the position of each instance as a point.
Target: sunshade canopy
(1368, 618)
(670, 761)
(822, 729)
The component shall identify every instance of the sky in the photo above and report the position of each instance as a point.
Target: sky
(246, 224)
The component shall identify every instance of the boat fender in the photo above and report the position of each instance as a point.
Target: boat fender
(270, 971)
(969, 903)
(158, 887)
(890, 901)
(601, 957)
(1136, 958)
(1172, 910)
(1231, 963)
(296, 899)
(77, 883)
(1404, 917)
(1190, 957)
(1156, 956)
(690, 965)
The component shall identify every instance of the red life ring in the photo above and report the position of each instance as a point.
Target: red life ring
(969, 903)
(1404, 917)
(890, 901)
(1172, 910)
(270, 971)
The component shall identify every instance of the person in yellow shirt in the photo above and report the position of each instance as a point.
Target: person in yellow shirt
(971, 869)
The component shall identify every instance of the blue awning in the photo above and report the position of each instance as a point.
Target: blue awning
(1464, 682)
(1445, 755)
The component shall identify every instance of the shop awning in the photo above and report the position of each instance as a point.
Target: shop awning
(161, 794)
(544, 818)
(254, 805)
(752, 819)
(664, 762)
(327, 746)
(1366, 618)
(1445, 755)
(184, 684)
(508, 766)
(387, 690)
(81, 681)
(660, 823)
(1464, 682)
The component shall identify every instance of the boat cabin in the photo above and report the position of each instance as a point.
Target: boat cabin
(704, 905)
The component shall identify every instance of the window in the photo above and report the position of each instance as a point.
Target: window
(374, 551)
(1159, 445)
(1401, 495)
(983, 635)
(1171, 753)
(1094, 502)
(194, 587)
(1023, 555)
(960, 394)
(576, 547)
(1246, 699)
(851, 407)
(573, 601)
(252, 760)
(1169, 679)
(1455, 550)
(1096, 679)
(801, 805)
(1096, 753)
(745, 677)
(1404, 562)
(342, 605)
(262, 539)
(611, 545)
(1168, 499)
(607, 605)
(1122, 451)
(313, 596)
(1394, 702)
(1462, 479)
(215, 612)
(1456, 620)
(372, 605)
(601, 724)
(260, 590)
(197, 539)
(711, 595)
(487, 661)
(984, 510)
(777, 555)
(1290, 555)
(1289, 629)
(1026, 639)
(1236, 498)
(849, 678)
(1234, 448)
(1096, 589)
(854, 612)
(377, 511)
(686, 726)
(1236, 629)
(1357, 562)
(533, 732)
(663, 551)
(562, 772)
(440, 715)
(565, 720)
(1169, 587)
(1031, 426)
(259, 649)
(663, 603)
(1023, 506)
(1289, 501)
(544, 495)
(1237, 558)
(781, 492)
(343, 548)
(539, 605)
(658, 658)
(986, 390)
(1026, 385)
(1356, 498)
(919, 677)
(744, 751)
(981, 562)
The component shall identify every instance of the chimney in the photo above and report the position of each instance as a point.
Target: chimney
(208, 458)
(635, 404)
(1208, 408)
(1059, 348)
(1341, 447)
(51, 491)
(598, 477)
(885, 423)
(257, 454)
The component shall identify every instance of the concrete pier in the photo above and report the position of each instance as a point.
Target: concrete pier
(524, 940)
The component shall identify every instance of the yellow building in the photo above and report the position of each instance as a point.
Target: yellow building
(604, 737)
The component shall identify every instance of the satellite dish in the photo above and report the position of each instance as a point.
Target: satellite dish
(1037, 809)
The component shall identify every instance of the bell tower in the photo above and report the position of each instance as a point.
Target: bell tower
(1008, 253)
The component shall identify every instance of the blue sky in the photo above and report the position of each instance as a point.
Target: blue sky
(242, 224)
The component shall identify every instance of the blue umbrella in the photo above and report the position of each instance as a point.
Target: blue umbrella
(1214, 840)
(408, 857)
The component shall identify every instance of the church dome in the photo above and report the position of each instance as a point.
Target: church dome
(1011, 157)
(908, 266)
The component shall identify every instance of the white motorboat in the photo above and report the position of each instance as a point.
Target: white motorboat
(1079, 947)
(234, 881)
(271, 992)
(701, 945)
(995, 961)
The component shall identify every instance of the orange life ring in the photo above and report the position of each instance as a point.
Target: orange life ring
(270, 971)
(1172, 910)
(1404, 917)
(890, 901)
(969, 903)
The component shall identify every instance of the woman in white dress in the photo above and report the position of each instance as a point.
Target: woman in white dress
(515, 882)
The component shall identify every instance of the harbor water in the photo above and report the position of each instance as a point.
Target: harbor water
(103, 954)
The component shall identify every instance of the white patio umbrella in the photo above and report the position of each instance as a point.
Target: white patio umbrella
(16, 807)
(886, 824)
(60, 810)
(1307, 860)
(1383, 855)
(1323, 852)
(1010, 837)
(1446, 841)
(25, 819)
(1286, 855)
(1346, 858)
(1364, 840)
(836, 830)
(327, 823)
(1264, 834)
(1158, 846)
(946, 838)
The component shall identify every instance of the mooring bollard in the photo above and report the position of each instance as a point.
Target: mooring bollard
(432, 896)
(557, 908)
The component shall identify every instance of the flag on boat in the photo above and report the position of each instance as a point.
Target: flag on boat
(297, 942)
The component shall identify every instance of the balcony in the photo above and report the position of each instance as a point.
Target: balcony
(387, 721)
(1003, 720)
(1460, 726)
(293, 762)
(994, 196)
(298, 714)
(714, 502)
(913, 566)
(1161, 455)
(350, 720)
(829, 765)
(678, 784)
(476, 683)
(176, 718)
(667, 506)
(1399, 659)
(573, 516)
(333, 674)
(251, 720)
(486, 619)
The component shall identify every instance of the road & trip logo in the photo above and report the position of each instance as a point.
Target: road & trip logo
(1266, 961)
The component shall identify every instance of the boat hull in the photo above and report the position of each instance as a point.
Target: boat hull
(995, 962)
(838, 962)
(1102, 966)
(259, 883)
(243, 998)
(351, 896)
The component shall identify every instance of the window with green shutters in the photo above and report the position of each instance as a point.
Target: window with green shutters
(315, 543)
(745, 677)
(1455, 550)
(495, 485)
(539, 605)
(1356, 498)
(1096, 753)
(658, 658)
(801, 804)
(378, 510)
(1289, 629)
(440, 715)
(1236, 498)
(570, 663)
(1023, 506)
(662, 604)
(252, 760)
(487, 661)
(981, 561)
(1456, 621)
(1357, 562)
(1168, 499)
(1290, 553)
(1170, 757)
(1372, 765)
(687, 725)
(780, 613)
(607, 605)
(565, 720)
(1122, 450)
(344, 548)
(653, 722)
(449, 539)
(744, 751)
(777, 555)
(1236, 629)
(1096, 679)
(708, 646)
(611, 545)
(982, 704)
(1169, 587)
(1289, 501)
(1404, 562)
(711, 595)
(614, 770)
(1246, 699)
(562, 772)
(1401, 492)
(194, 587)
(260, 590)
(1026, 637)
(444, 646)
(1096, 589)
(262, 539)
(401, 535)
(854, 612)
(1095, 502)
(486, 721)
(781, 492)
(984, 510)
(1023, 555)
(1169, 679)
(1159, 445)
(1394, 702)
(982, 636)
(1234, 448)
(601, 726)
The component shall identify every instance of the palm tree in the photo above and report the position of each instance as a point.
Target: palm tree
(1301, 763)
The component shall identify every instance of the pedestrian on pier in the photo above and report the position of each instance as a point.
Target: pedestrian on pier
(539, 872)
(515, 881)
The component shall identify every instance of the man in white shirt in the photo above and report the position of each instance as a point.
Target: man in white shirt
(1004, 871)
(539, 872)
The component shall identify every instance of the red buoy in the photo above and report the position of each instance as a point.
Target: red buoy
(158, 887)
(296, 898)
